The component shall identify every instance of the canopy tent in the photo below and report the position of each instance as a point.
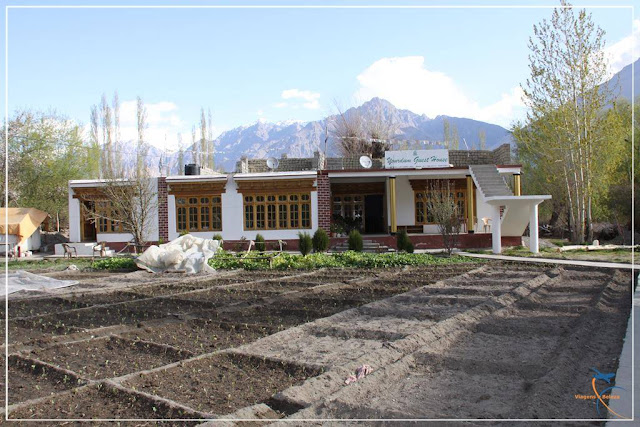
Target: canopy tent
(21, 222)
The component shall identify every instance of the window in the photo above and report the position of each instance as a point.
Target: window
(349, 206)
(201, 213)
(105, 222)
(423, 198)
(277, 211)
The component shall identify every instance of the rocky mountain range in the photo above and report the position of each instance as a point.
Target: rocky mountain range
(296, 139)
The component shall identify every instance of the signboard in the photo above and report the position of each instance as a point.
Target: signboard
(418, 159)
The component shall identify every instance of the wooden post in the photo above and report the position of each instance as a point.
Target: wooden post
(517, 185)
(470, 207)
(392, 197)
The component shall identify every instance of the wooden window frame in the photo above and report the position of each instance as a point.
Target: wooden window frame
(104, 222)
(459, 196)
(257, 213)
(214, 205)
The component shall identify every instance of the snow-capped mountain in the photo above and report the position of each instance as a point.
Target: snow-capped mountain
(298, 139)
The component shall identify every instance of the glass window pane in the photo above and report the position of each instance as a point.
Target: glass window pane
(271, 216)
(260, 217)
(193, 218)
(306, 215)
(282, 216)
(248, 216)
(294, 217)
(204, 218)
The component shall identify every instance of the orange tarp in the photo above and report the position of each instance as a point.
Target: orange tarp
(21, 221)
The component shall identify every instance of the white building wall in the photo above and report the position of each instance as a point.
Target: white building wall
(405, 212)
(483, 210)
(233, 218)
(74, 217)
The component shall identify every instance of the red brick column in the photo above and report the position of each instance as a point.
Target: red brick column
(324, 201)
(163, 210)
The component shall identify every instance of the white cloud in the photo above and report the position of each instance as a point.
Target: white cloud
(407, 83)
(311, 98)
(620, 54)
(280, 104)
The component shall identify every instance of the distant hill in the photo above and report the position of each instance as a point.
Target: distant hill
(620, 84)
(263, 139)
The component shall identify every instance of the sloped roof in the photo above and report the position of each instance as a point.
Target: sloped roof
(21, 221)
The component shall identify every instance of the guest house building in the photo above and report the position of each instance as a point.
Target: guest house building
(292, 195)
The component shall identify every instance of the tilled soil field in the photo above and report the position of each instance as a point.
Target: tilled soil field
(451, 341)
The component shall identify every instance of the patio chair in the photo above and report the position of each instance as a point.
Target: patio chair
(100, 248)
(69, 250)
(485, 224)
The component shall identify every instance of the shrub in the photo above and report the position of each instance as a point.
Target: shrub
(355, 241)
(403, 241)
(304, 243)
(115, 263)
(286, 261)
(260, 245)
(320, 240)
(217, 236)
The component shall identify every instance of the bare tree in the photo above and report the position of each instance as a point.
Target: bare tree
(127, 198)
(107, 140)
(195, 153)
(180, 155)
(349, 133)
(211, 148)
(142, 148)
(380, 131)
(443, 211)
(203, 140)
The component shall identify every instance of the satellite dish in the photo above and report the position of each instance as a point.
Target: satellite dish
(272, 163)
(366, 162)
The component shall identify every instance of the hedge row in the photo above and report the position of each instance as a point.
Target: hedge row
(229, 260)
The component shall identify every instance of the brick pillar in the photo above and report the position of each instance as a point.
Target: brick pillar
(324, 201)
(163, 209)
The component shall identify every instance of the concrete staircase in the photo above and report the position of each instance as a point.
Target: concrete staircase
(489, 181)
(84, 249)
(367, 246)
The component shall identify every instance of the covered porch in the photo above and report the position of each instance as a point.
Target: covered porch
(380, 203)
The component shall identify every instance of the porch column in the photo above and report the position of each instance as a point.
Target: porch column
(496, 230)
(533, 230)
(392, 202)
(517, 185)
(470, 207)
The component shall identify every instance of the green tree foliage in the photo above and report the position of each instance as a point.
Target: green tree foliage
(46, 150)
(403, 242)
(355, 241)
(564, 135)
(305, 243)
(615, 197)
(260, 245)
(320, 241)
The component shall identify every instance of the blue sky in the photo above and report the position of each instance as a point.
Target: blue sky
(279, 64)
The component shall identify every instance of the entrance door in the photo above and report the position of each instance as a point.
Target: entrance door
(88, 226)
(374, 213)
